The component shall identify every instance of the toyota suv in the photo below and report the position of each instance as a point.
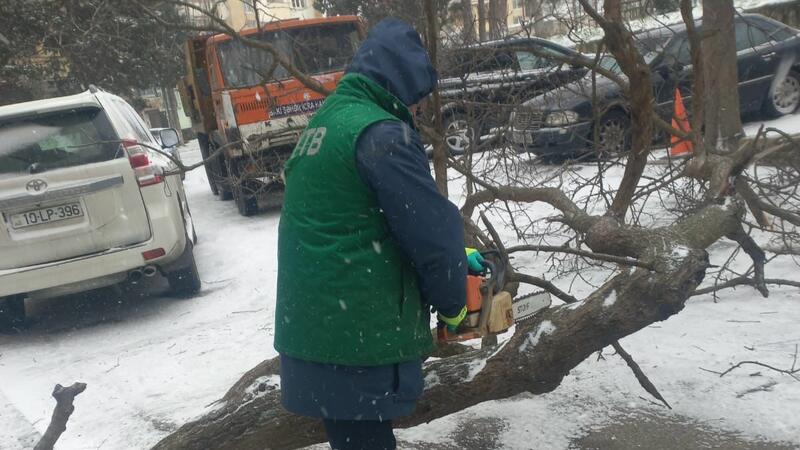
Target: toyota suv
(88, 199)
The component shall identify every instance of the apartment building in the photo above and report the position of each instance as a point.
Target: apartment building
(241, 14)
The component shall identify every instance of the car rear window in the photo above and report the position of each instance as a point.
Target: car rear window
(40, 143)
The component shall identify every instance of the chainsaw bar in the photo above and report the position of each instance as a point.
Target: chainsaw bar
(529, 305)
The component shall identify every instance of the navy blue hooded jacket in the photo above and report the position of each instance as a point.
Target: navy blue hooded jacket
(392, 162)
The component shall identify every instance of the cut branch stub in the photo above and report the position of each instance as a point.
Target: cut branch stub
(65, 396)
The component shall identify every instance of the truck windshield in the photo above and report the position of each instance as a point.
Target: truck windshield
(64, 139)
(314, 50)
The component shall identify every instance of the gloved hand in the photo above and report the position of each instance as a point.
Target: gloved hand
(475, 260)
(453, 322)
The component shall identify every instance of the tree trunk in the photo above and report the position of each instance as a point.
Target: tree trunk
(497, 18)
(439, 146)
(723, 124)
(468, 30)
(481, 20)
(172, 110)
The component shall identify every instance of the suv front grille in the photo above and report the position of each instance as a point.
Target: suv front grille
(528, 120)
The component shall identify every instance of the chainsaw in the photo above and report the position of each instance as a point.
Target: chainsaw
(491, 310)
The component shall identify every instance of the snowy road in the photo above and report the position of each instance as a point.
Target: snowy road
(152, 362)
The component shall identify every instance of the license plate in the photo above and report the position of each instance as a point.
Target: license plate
(46, 215)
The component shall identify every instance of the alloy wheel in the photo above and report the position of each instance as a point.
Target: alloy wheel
(612, 136)
(459, 136)
(786, 97)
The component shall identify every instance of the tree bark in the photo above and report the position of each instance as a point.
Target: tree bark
(723, 123)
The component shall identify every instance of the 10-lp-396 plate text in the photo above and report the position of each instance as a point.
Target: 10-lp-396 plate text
(46, 215)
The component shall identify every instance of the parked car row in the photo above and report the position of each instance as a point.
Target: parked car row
(552, 108)
(566, 120)
(87, 199)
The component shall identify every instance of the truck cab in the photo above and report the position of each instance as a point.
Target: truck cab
(248, 109)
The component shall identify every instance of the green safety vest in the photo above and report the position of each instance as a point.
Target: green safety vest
(346, 292)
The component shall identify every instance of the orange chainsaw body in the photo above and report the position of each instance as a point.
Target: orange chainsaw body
(487, 313)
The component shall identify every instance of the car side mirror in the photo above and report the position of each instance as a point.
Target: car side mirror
(168, 137)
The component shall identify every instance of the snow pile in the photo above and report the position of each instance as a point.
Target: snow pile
(546, 327)
(610, 300)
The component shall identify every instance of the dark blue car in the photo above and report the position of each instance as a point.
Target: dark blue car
(566, 122)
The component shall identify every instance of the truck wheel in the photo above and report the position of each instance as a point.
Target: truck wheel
(205, 150)
(12, 312)
(185, 281)
(224, 193)
(246, 200)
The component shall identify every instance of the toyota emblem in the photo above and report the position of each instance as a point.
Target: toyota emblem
(36, 186)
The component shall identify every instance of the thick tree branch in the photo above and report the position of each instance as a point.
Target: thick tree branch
(574, 251)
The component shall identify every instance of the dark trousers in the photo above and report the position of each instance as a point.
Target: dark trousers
(360, 434)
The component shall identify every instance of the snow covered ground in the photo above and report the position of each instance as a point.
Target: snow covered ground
(152, 362)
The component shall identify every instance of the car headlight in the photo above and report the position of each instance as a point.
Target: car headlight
(561, 118)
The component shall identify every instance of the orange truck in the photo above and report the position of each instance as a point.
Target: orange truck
(241, 100)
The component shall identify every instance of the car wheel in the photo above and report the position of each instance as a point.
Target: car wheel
(246, 200)
(225, 194)
(459, 135)
(785, 97)
(12, 312)
(613, 135)
(185, 281)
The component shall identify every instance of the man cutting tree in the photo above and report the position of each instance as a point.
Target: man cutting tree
(367, 245)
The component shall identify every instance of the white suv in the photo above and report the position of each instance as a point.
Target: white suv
(87, 201)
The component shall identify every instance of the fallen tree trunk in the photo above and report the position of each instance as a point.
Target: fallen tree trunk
(535, 359)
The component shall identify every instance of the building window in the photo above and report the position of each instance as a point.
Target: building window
(299, 4)
(248, 7)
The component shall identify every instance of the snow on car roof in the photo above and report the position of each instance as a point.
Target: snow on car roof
(85, 99)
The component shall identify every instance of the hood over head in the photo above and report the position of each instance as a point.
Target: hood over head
(393, 56)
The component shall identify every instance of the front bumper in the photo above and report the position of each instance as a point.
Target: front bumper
(551, 141)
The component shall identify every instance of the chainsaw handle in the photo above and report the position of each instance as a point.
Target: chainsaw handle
(497, 275)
